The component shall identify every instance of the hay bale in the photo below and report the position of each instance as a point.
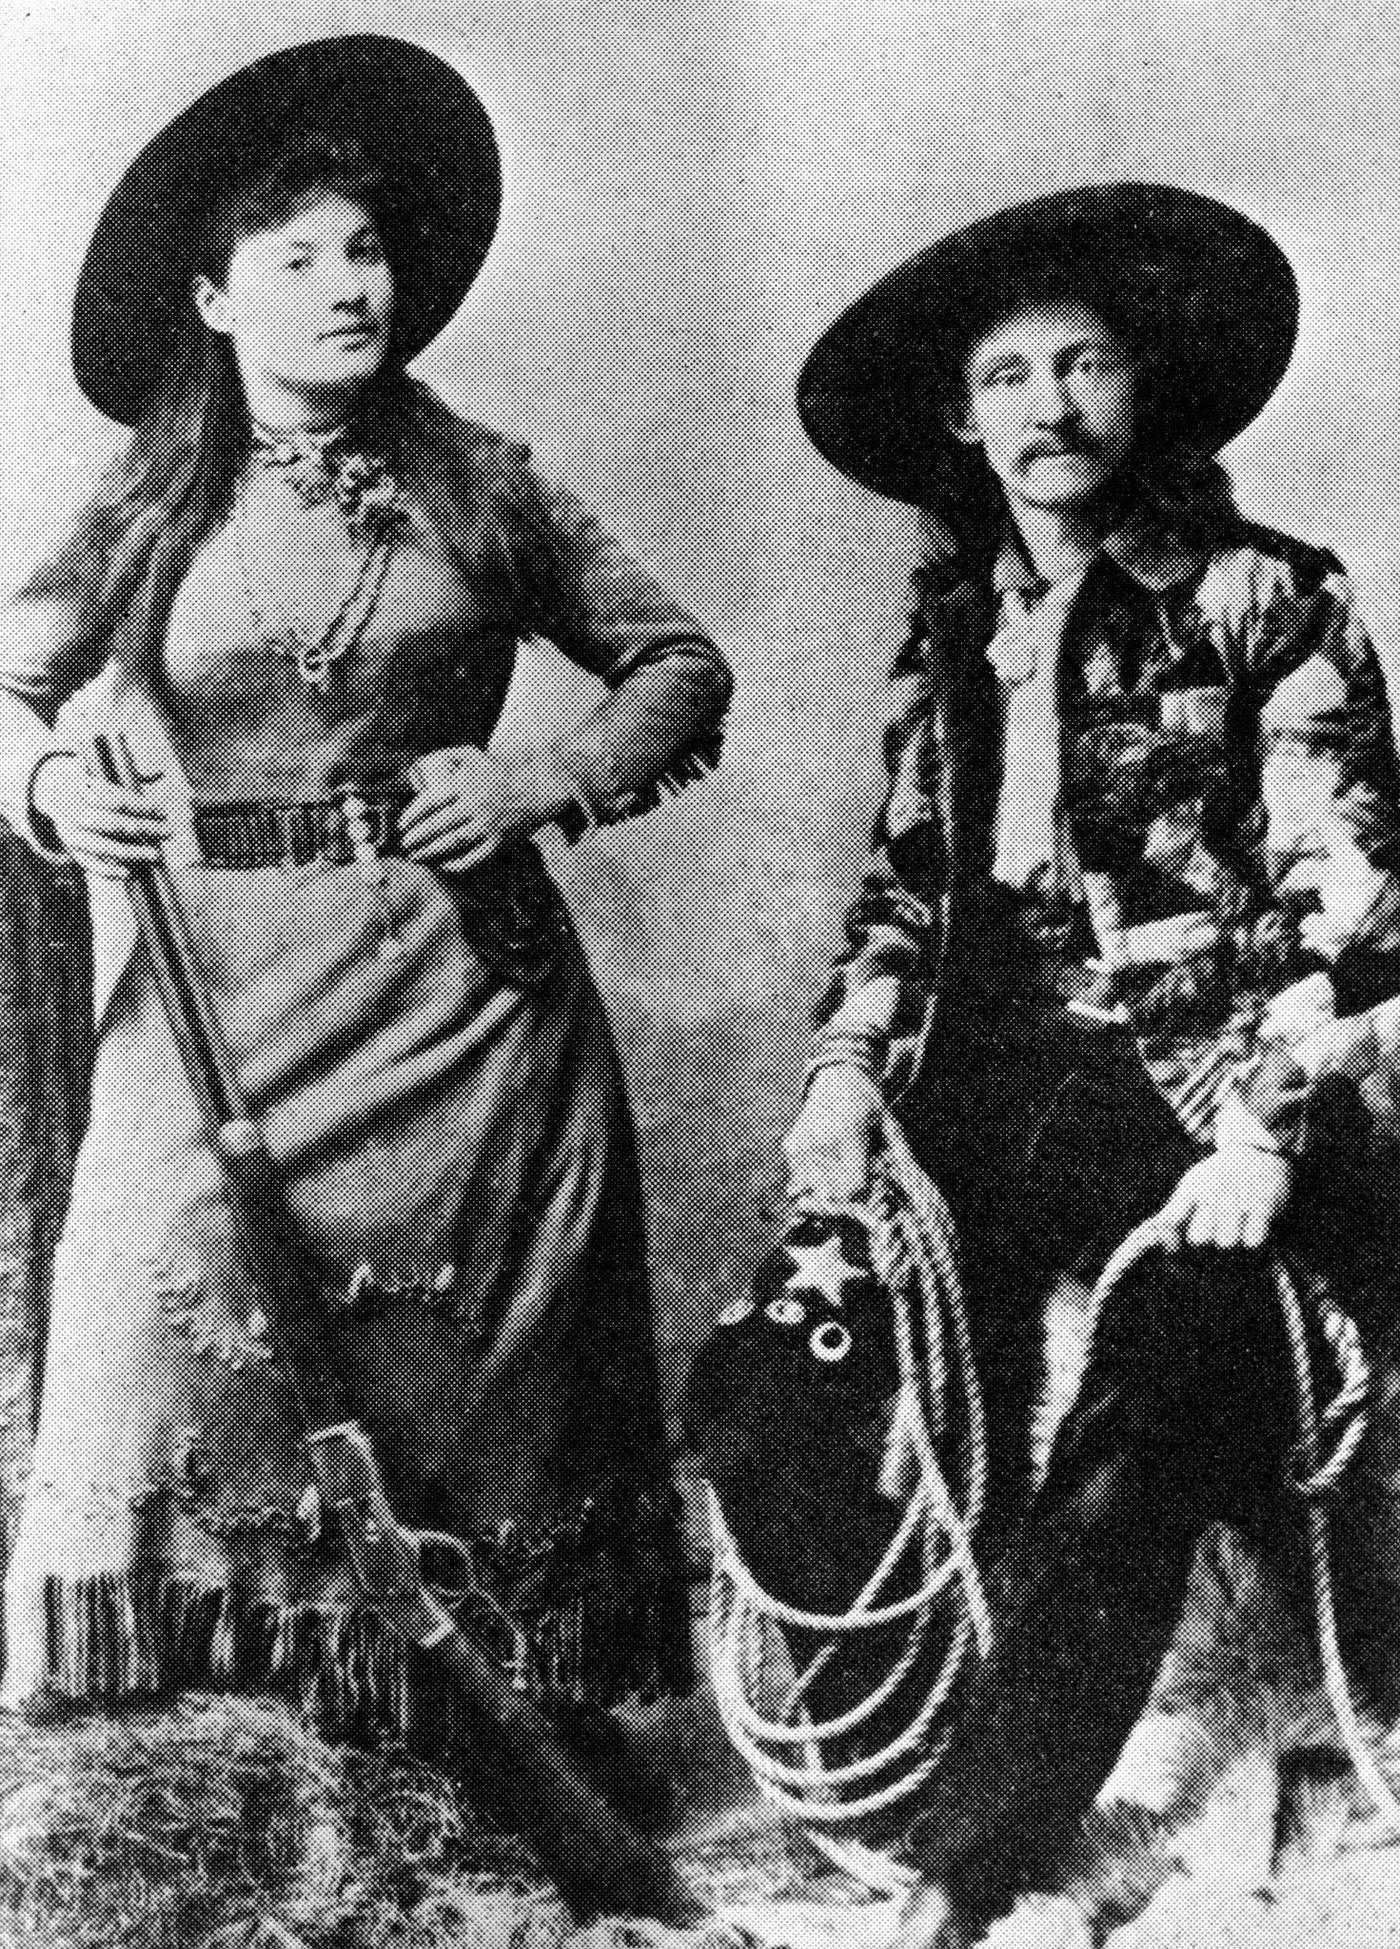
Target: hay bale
(226, 1824)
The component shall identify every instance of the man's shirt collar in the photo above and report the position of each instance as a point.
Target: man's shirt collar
(1152, 554)
(1145, 550)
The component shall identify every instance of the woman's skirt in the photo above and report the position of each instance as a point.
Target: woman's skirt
(444, 1100)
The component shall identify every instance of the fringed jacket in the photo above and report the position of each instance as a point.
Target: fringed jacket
(1322, 1069)
(1181, 668)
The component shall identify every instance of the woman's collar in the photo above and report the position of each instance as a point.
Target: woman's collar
(288, 446)
(330, 464)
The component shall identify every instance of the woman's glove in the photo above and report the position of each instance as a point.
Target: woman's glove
(831, 1148)
(469, 802)
(103, 826)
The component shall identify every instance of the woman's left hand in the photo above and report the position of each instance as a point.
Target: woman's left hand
(471, 801)
(1230, 1200)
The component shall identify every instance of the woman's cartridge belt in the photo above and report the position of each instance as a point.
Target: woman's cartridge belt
(357, 824)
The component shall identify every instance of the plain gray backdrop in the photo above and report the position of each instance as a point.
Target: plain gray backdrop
(693, 189)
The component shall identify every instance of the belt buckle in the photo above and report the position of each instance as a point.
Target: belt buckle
(354, 825)
(368, 825)
(1048, 925)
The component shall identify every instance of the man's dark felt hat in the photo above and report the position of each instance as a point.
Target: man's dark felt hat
(1207, 291)
(416, 118)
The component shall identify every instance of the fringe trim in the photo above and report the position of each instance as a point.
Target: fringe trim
(688, 767)
(602, 1622)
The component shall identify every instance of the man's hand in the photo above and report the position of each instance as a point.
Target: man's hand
(1230, 1200)
(831, 1148)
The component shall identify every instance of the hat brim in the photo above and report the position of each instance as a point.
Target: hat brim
(1213, 289)
(412, 113)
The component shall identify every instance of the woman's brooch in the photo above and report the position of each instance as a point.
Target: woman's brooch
(319, 468)
(365, 492)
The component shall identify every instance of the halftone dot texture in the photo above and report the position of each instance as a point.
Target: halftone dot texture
(713, 921)
(425, 1051)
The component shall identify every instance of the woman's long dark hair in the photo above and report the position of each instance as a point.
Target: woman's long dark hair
(118, 568)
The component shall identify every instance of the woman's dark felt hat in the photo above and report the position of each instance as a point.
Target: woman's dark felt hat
(414, 116)
(1205, 290)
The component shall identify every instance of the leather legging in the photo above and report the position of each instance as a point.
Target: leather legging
(1051, 1147)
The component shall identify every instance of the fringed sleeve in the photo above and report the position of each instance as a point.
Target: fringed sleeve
(661, 725)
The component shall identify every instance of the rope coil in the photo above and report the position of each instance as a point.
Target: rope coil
(913, 1253)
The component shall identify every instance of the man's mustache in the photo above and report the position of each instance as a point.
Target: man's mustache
(1052, 448)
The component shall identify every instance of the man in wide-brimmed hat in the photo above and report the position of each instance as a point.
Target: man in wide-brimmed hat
(1120, 710)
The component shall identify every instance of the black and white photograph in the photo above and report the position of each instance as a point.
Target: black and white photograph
(700, 975)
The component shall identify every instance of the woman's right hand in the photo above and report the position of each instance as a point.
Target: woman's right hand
(104, 827)
(831, 1148)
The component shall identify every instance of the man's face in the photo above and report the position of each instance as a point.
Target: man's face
(1049, 396)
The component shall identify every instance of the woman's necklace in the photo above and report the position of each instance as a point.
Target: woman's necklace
(319, 469)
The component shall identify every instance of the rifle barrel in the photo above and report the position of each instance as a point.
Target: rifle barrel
(599, 1862)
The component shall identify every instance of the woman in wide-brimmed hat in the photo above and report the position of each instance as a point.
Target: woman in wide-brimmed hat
(301, 589)
(1119, 709)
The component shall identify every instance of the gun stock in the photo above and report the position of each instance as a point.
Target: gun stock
(600, 1863)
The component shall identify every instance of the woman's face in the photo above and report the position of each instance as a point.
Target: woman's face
(307, 306)
(1049, 396)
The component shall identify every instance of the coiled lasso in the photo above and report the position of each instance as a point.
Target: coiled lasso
(913, 1253)
(911, 1232)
